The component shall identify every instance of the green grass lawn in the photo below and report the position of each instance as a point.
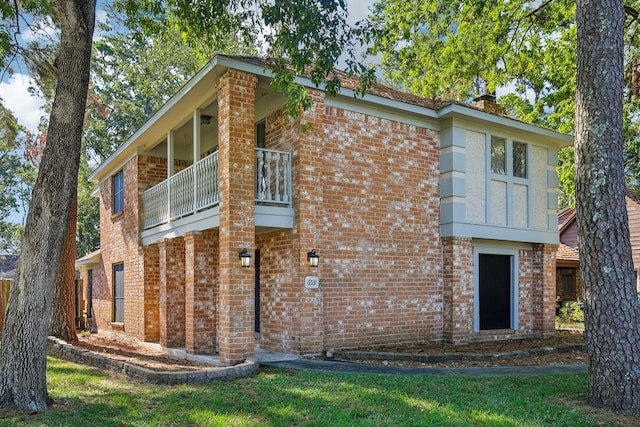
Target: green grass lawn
(88, 397)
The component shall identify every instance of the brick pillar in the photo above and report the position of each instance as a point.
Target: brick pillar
(151, 293)
(458, 289)
(200, 305)
(236, 116)
(171, 257)
(545, 312)
(309, 322)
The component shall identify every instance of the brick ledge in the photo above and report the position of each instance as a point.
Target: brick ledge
(62, 349)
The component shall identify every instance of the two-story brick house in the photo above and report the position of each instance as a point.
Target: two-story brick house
(431, 220)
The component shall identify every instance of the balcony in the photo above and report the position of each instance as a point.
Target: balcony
(194, 192)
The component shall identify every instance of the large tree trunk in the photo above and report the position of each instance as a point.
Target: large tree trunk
(23, 355)
(612, 311)
(63, 316)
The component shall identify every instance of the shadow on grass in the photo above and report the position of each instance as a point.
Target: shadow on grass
(272, 397)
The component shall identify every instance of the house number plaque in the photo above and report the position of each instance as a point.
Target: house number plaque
(311, 282)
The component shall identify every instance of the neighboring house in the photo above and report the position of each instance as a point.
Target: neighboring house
(568, 282)
(431, 220)
(8, 266)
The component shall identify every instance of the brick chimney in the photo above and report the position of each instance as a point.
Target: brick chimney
(487, 102)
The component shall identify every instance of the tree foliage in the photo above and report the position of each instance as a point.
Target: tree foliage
(461, 49)
(15, 176)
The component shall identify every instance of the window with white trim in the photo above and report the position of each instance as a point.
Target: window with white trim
(118, 192)
(118, 293)
(508, 157)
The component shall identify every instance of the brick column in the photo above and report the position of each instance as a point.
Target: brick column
(458, 289)
(171, 255)
(546, 311)
(200, 304)
(151, 293)
(308, 158)
(236, 116)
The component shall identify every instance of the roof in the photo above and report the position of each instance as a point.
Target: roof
(565, 217)
(8, 266)
(202, 87)
(568, 230)
(567, 253)
(90, 260)
(633, 193)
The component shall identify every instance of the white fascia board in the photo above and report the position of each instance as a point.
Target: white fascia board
(459, 111)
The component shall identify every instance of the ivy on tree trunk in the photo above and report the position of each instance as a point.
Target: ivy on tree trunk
(612, 310)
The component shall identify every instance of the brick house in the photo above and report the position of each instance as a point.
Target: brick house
(568, 281)
(431, 220)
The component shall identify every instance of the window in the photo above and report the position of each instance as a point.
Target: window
(568, 281)
(118, 293)
(118, 192)
(501, 149)
(90, 286)
(498, 155)
(519, 159)
(261, 135)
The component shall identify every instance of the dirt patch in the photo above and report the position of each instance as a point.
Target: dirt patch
(565, 347)
(118, 349)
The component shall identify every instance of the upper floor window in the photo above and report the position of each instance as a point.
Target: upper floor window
(508, 157)
(261, 135)
(118, 192)
(498, 155)
(519, 159)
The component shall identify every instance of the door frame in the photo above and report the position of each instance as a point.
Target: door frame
(515, 294)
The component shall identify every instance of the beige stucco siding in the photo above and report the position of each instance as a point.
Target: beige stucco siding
(476, 177)
(539, 186)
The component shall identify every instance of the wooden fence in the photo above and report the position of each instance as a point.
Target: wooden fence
(5, 286)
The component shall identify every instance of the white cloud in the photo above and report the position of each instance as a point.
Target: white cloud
(16, 97)
(41, 31)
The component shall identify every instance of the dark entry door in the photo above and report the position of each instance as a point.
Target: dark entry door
(495, 291)
(257, 293)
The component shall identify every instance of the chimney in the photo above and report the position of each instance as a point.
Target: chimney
(487, 102)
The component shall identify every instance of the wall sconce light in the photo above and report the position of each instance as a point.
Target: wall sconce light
(245, 258)
(205, 119)
(313, 258)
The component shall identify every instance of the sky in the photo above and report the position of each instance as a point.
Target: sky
(14, 89)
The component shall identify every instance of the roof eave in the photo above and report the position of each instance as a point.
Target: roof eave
(460, 111)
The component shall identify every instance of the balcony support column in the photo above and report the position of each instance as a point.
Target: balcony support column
(196, 154)
(170, 166)
(236, 101)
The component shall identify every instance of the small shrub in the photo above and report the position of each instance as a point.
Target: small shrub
(571, 311)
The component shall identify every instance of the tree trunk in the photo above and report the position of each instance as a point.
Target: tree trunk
(63, 317)
(23, 355)
(612, 310)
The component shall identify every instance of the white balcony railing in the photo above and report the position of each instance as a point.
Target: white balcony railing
(196, 188)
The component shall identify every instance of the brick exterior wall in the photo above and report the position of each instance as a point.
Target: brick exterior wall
(458, 289)
(365, 195)
(381, 257)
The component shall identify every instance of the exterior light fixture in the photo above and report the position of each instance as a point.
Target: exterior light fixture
(313, 258)
(245, 258)
(205, 119)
